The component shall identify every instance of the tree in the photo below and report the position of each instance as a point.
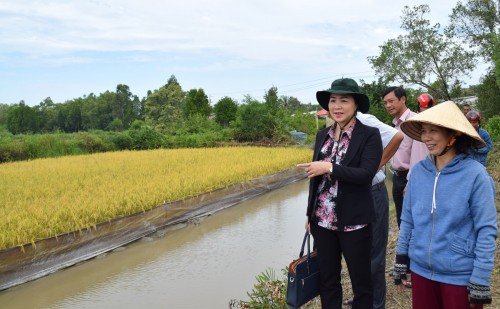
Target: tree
(257, 121)
(21, 119)
(47, 115)
(277, 116)
(422, 55)
(253, 122)
(116, 125)
(303, 121)
(272, 101)
(97, 111)
(478, 23)
(374, 92)
(225, 111)
(4, 114)
(290, 103)
(196, 102)
(162, 108)
(126, 106)
(70, 117)
(488, 91)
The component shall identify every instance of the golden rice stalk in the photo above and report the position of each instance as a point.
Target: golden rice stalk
(46, 197)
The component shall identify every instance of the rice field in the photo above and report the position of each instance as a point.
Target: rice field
(47, 197)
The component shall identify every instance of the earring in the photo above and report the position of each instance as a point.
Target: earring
(452, 141)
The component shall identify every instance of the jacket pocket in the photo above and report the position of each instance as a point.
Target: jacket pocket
(462, 258)
(463, 246)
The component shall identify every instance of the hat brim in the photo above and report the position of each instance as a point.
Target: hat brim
(445, 115)
(362, 100)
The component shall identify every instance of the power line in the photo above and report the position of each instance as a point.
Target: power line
(305, 84)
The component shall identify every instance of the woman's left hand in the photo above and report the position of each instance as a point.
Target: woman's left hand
(316, 168)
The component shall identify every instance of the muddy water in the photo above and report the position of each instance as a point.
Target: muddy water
(202, 265)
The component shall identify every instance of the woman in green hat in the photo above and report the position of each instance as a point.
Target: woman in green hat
(340, 205)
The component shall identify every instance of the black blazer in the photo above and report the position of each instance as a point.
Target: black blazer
(354, 203)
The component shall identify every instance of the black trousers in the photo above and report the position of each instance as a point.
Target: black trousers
(398, 187)
(355, 246)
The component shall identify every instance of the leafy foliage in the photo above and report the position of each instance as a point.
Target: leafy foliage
(268, 292)
(477, 22)
(197, 123)
(493, 128)
(424, 53)
(21, 119)
(162, 108)
(146, 138)
(253, 122)
(488, 93)
(305, 122)
(196, 102)
(126, 106)
(225, 111)
(256, 121)
(291, 104)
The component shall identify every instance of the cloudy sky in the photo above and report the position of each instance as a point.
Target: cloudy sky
(65, 49)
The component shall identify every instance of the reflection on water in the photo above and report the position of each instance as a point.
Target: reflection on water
(200, 266)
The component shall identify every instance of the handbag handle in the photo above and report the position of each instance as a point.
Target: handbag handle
(307, 237)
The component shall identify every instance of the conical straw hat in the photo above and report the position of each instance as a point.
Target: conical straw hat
(447, 115)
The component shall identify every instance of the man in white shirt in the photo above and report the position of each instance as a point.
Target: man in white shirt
(391, 139)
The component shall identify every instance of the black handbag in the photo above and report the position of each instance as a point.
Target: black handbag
(303, 277)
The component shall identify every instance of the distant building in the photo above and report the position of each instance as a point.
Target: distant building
(323, 114)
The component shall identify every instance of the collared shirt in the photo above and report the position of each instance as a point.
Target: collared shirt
(332, 151)
(386, 132)
(410, 152)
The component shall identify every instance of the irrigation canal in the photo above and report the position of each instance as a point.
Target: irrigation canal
(202, 265)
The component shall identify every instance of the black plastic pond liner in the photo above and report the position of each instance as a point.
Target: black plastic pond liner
(19, 265)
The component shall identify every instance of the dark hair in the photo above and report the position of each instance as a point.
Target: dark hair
(399, 92)
(464, 143)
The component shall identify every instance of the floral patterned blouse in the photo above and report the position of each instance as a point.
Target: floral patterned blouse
(332, 151)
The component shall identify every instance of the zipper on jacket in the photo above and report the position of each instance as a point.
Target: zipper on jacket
(433, 212)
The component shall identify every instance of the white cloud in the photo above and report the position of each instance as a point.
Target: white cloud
(230, 39)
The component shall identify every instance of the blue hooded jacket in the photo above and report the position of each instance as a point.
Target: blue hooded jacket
(481, 154)
(449, 222)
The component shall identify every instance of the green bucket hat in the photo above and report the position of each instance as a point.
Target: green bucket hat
(344, 86)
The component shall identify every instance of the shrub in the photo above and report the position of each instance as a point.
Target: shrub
(197, 123)
(253, 123)
(137, 124)
(305, 122)
(116, 125)
(146, 138)
(268, 292)
(122, 141)
(90, 143)
(12, 151)
(493, 127)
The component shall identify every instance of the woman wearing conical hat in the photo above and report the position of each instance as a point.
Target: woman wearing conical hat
(449, 219)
